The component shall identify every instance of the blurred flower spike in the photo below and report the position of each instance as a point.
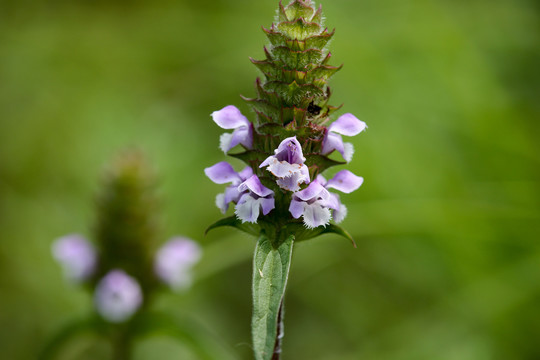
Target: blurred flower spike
(175, 260)
(122, 266)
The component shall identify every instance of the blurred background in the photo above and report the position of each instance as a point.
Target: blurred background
(447, 222)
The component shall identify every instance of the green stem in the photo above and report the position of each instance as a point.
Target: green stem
(122, 345)
(280, 334)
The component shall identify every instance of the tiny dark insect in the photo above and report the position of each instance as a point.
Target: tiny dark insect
(314, 109)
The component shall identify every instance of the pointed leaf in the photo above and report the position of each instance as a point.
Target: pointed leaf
(301, 233)
(338, 230)
(233, 221)
(276, 38)
(299, 29)
(298, 60)
(282, 14)
(322, 72)
(318, 17)
(319, 41)
(270, 273)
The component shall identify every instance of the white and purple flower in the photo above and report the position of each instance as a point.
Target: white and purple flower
(255, 197)
(287, 164)
(174, 261)
(344, 181)
(246, 191)
(317, 205)
(76, 255)
(118, 296)
(222, 173)
(231, 118)
(347, 125)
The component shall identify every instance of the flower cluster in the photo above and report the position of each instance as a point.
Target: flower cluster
(118, 295)
(310, 199)
(121, 266)
(290, 141)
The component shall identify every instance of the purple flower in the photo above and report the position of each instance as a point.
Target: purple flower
(317, 205)
(347, 125)
(76, 256)
(118, 296)
(174, 261)
(288, 165)
(222, 173)
(255, 196)
(344, 181)
(313, 204)
(231, 118)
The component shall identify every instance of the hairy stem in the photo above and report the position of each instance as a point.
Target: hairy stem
(279, 335)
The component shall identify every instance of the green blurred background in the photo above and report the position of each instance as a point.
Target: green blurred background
(447, 221)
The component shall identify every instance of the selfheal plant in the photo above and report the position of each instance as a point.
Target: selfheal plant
(123, 266)
(282, 196)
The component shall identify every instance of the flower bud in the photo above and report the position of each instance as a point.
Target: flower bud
(118, 296)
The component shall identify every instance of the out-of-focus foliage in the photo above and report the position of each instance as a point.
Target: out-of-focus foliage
(447, 222)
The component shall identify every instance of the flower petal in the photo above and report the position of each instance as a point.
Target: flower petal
(254, 185)
(316, 215)
(76, 255)
(339, 214)
(345, 181)
(267, 204)
(118, 296)
(348, 151)
(248, 208)
(292, 182)
(296, 208)
(246, 173)
(313, 191)
(332, 142)
(222, 173)
(281, 169)
(290, 150)
(332, 202)
(347, 125)
(174, 261)
(242, 135)
(229, 118)
(225, 142)
(321, 180)
(221, 204)
(230, 195)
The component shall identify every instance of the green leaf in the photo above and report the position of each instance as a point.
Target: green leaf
(276, 38)
(299, 29)
(318, 17)
(318, 41)
(297, 60)
(185, 331)
(68, 333)
(270, 272)
(233, 221)
(322, 72)
(264, 107)
(301, 233)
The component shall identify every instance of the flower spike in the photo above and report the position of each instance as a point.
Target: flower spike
(287, 146)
